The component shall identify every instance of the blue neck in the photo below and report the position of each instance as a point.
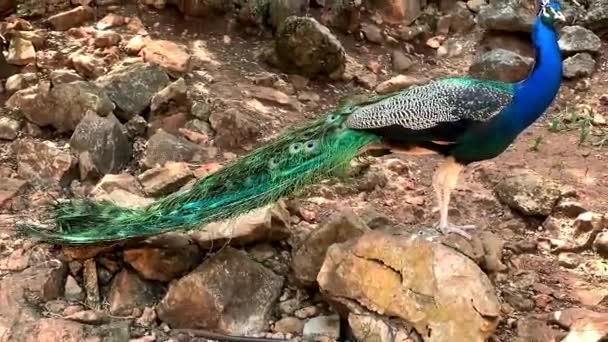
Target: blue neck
(534, 95)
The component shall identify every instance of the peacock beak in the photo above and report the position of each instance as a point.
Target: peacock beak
(559, 16)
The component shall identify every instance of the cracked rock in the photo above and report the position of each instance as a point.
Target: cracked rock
(425, 283)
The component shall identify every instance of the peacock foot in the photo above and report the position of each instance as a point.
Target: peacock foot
(456, 229)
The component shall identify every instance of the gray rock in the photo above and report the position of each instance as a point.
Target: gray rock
(401, 61)
(70, 102)
(132, 87)
(579, 66)
(502, 65)
(529, 193)
(229, 293)
(20, 81)
(254, 12)
(136, 126)
(128, 291)
(201, 110)
(164, 147)
(309, 257)
(574, 39)
(279, 10)
(461, 18)
(372, 33)
(322, 326)
(9, 128)
(63, 76)
(234, 127)
(304, 46)
(344, 15)
(199, 126)
(507, 15)
(73, 100)
(596, 17)
(106, 142)
(176, 92)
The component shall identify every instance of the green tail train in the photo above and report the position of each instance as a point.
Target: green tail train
(320, 149)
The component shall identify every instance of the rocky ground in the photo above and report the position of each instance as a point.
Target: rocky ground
(130, 101)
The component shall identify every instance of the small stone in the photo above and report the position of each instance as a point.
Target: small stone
(110, 20)
(289, 325)
(401, 62)
(19, 81)
(372, 33)
(575, 39)
(163, 180)
(397, 83)
(578, 66)
(72, 18)
(73, 291)
(475, 5)
(306, 47)
(163, 264)
(164, 147)
(569, 260)
(128, 292)
(105, 141)
(42, 160)
(501, 65)
(212, 297)
(322, 326)
(9, 128)
(9, 189)
(63, 76)
(105, 39)
(88, 65)
(600, 245)
(234, 127)
(132, 87)
(201, 110)
(599, 119)
(529, 192)
(176, 92)
(136, 43)
(21, 52)
(308, 258)
(509, 15)
(121, 181)
(167, 54)
(307, 312)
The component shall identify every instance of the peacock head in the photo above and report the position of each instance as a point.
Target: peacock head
(550, 12)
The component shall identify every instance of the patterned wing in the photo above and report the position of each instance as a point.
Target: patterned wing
(453, 100)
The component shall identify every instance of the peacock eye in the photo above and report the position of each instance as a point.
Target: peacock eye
(272, 163)
(332, 118)
(295, 148)
(310, 146)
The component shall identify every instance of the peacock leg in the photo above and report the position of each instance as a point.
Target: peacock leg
(444, 182)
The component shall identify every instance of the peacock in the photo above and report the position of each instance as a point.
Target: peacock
(462, 119)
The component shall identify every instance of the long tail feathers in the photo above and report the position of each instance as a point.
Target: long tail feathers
(318, 150)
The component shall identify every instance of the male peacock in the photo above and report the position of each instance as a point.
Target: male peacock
(463, 119)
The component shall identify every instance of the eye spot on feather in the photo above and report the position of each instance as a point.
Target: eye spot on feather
(272, 163)
(310, 146)
(295, 148)
(333, 118)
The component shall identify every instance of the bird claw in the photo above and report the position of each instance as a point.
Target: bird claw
(456, 229)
